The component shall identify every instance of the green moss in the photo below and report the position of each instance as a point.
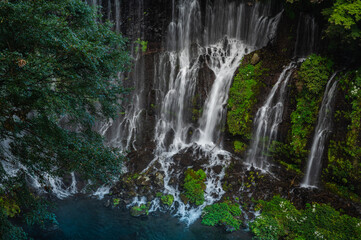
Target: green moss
(116, 201)
(291, 167)
(167, 199)
(224, 213)
(137, 211)
(142, 44)
(242, 99)
(194, 186)
(281, 220)
(239, 146)
(133, 176)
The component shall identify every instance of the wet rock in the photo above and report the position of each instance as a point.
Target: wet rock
(159, 179)
(107, 203)
(217, 169)
(230, 228)
(143, 181)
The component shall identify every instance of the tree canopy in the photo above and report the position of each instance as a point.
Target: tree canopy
(58, 76)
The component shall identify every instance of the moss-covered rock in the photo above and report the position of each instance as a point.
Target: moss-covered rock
(137, 211)
(167, 199)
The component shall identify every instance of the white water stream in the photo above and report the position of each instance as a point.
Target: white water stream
(217, 36)
(267, 120)
(176, 79)
(323, 129)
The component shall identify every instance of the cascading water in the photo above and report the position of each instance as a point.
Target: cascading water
(122, 132)
(307, 36)
(190, 45)
(323, 129)
(267, 120)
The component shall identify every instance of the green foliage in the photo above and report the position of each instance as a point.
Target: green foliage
(315, 72)
(9, 206)
(242, 98)
(194, 186)
(344, 17)
(280, 219)
(224, 213)
(18, 201)
(142, 44)
(313, 76)
(8, 230)
(116, 202)
(58, 76)
(167, 199)
(283, 153)
(239, 147)
(343, 192)
(58, 67)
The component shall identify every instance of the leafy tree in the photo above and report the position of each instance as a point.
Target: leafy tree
(344, 18)
(58, 76)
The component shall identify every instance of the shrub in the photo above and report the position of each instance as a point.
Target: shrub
(280, 219)
(224, 213)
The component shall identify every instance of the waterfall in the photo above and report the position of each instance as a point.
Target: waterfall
(222, 55)
(191, 45)
(44, 183)
(267, 120)
(323, 129)
(123, 131)
(117, 16)
(307, 36)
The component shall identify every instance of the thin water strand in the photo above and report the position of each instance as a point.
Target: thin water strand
(267, 120)
(323, 129)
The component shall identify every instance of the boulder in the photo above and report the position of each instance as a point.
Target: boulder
(255, 59)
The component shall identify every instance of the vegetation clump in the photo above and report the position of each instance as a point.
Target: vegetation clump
(239, 146)
(167, 199)
(281, 220)
(225, 213)
(137, 211)
(116, 202)
(194, 186)
(242, 98)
